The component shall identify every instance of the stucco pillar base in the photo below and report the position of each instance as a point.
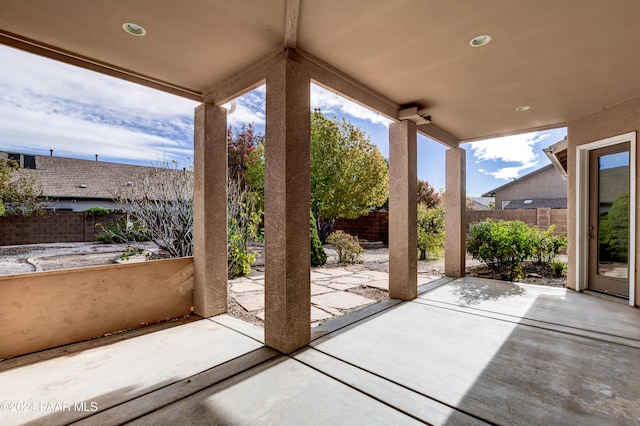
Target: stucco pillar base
(287, 189)
(403, 248)
(210, 211)
(455, 207)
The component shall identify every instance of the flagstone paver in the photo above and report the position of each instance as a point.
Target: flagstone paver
(350, 279)
(330, 296)
(342, 287)
(319, 289)
(250, 301)
(381, 284)
(319, 314)
(334, 271)
(243, 287)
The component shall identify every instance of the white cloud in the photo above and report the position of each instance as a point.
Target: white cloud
(68, 135)
(52, 79)
(249, 108)
(510, 173)
(331, 103)
(46, 105)
(518, 149)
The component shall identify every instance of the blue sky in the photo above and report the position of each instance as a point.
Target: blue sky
(78, 113)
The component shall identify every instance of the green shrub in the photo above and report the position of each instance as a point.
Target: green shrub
(122, 231)
(430, 230)
(98, 211)
(318, 256)
(547, 245)
(502, 246)
(242, 227)
(239, 258)
(347, 246)
(558, 267)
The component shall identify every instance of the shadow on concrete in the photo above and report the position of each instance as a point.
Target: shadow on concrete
(471, 293)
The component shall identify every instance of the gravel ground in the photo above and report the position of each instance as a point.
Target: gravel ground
(47, 257)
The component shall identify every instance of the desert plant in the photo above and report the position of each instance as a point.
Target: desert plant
(125, 230)
(502, 246)
(347, 246)
(161, 201)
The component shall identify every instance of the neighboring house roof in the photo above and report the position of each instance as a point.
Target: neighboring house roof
(480, 203)
(492, 193)
(540, 203)
(63, 177)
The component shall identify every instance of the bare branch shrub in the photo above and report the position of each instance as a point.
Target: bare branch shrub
(161, 201)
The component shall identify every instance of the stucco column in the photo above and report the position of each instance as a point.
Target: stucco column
(287, 198)
(455, 207)
(403, 206)
(210, 211)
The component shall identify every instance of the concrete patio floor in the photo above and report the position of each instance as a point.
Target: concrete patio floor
(466, 351)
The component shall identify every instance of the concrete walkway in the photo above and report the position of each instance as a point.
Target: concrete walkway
(466, 351)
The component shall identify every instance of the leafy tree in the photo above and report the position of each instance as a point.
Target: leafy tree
(430, 230)
(20, 194)
(241, 145)
(428, 195)
(348, 173)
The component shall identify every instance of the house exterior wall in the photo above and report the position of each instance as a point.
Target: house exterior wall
(546, 184)
(613, 121)
(81, 205)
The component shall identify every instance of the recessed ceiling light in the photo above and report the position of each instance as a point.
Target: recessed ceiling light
(134, 29)
(523, 108)
(480, 40)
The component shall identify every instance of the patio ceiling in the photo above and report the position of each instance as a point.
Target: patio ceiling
(563, 59)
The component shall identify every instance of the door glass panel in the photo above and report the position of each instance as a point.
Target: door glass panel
(613, 215)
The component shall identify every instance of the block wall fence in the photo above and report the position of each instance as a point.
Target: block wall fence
(61, 227)
(375, 226)
(52, 227)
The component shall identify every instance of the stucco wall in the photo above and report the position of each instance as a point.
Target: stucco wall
(42, 310)
(613, 121)
(546, 184)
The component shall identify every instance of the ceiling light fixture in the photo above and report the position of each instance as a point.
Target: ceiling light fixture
(480, 40)
(134, 29)
(523, 108)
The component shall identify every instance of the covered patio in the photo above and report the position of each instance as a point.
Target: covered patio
(465, 351)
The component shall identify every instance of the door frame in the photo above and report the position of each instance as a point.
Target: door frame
(582, 209)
